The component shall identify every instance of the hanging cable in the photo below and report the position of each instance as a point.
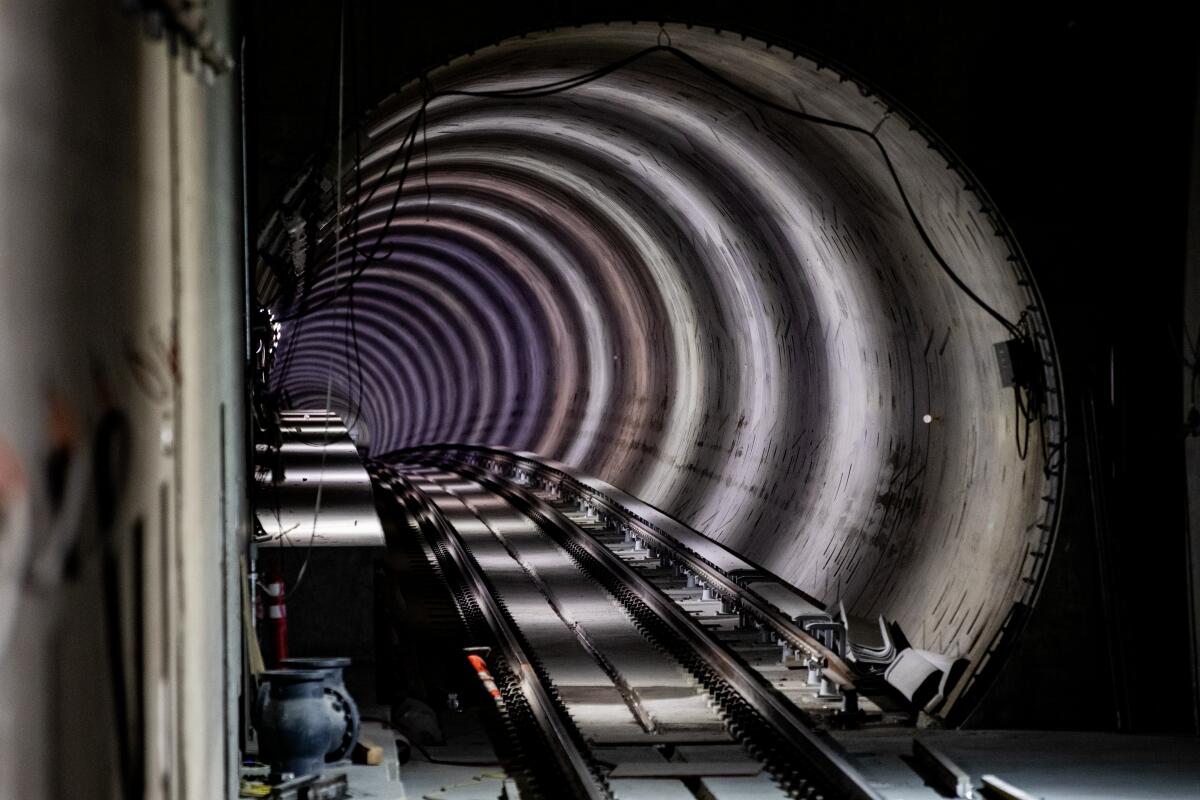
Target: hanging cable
(337, 243)
(419, 121)
(1029, 407)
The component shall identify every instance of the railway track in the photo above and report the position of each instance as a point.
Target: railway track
(630, 661)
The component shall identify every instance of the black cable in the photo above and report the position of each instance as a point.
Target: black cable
(312, 262)
(1021, 416)
(425, 147)
(408, 144)
(873, 136)
(354, 389)
(1189, 359)
(1027, 412)
(350, 334)
(556, 87)
(407, 147)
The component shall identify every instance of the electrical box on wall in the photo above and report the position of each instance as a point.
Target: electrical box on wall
(1016, 360)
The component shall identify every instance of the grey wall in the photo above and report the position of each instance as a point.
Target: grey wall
(119, 295)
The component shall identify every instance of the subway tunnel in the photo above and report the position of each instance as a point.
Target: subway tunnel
(569, 386)
(731, 280)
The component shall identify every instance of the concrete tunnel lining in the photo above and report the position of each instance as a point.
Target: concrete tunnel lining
(720, 309)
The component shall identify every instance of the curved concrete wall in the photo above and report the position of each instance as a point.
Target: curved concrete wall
(719, 308)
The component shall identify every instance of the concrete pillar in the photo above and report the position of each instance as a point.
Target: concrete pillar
(119, 301)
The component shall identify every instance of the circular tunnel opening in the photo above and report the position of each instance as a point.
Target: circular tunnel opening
(728, 279)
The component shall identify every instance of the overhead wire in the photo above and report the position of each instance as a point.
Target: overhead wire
(354, 377)
(1029, 409)
(419, 121)
(281, 372)
(351, 348)
(337, 221)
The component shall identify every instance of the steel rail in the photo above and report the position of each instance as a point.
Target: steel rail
(837, 668)
(833, 769)
(786, 627)
(575, 764)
